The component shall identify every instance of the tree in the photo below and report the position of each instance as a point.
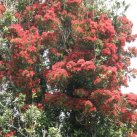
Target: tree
(65, 61)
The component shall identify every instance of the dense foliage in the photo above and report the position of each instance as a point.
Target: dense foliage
(62, 65)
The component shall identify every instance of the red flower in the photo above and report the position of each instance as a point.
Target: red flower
(10, 133)
(131, 100)
(17, 15)
(88, 65)
(70, 65)
(57, 76)
(133, 50)
(97, 80)
(58, 65)
(89, 107)
(2, 9)
(106, 51)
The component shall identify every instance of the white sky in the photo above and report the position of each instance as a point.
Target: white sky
(132, 15)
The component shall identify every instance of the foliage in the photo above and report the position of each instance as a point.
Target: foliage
(62, 65)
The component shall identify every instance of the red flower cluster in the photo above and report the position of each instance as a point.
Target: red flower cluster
(105, 26)
(62, 100)
(80, 65)
(21, 69)
(133, 51)
(86, 30)
(129, 117)
(125, 25)
(2, 9)
(56, 76)
(109, 101)
(109, 49)
(107, 76)
(10, 134)
(131, 101)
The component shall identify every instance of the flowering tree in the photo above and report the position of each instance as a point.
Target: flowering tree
(63, 63)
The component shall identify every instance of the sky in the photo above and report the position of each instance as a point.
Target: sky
(131, 14)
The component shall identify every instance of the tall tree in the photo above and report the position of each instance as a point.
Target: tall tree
(68, 58)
